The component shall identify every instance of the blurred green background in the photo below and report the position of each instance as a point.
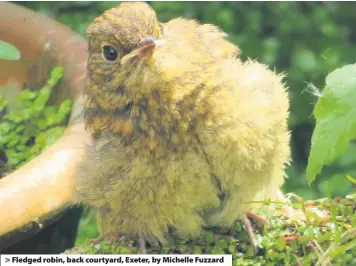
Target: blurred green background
(306, 40)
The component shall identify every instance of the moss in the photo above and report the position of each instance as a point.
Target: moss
(326, 234)
(32, 125)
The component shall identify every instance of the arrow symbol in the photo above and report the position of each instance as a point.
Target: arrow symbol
(7, 259)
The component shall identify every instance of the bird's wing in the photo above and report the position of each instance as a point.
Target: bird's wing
(246, 144)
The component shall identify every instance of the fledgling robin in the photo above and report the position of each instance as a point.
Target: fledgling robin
(185, 133)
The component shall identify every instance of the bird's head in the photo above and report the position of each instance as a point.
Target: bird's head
(121, 41)
(122, 44)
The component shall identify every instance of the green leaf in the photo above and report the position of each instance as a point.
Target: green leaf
(21, 147)
(24, 139)
(221, 243)
(12, 161)
(9, 51)
(6, 127)
(217, 251)
(20, 128)
(15, 116)
(15, 139)
(353, 180)
(281, 243)
(231, 248)
(43, 96)
(41, 141)
(64, 110)
(209, 238)
(197, 250)
(56, 75)
(41, 101)
(335, 114)
(41, 124)
(27, 113)
(7, 138)
(49, 111)
(25, 96)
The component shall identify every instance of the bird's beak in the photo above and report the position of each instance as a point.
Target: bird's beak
(145, 49)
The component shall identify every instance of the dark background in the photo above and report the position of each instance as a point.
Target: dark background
(306, 40)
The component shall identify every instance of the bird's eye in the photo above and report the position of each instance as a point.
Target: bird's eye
(110, 53)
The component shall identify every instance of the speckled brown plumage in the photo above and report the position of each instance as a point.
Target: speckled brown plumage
(185, 135)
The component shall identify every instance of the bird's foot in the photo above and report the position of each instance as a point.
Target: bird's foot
(142, 244)
(249, 229)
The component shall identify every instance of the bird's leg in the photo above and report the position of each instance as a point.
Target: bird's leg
(258, 218)
(248, 226)
(118, 238)
(142, 244)
(249, 230)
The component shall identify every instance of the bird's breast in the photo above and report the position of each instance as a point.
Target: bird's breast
(149, 133)
(153, 123)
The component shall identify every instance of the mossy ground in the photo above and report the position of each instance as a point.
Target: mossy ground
(326, 236)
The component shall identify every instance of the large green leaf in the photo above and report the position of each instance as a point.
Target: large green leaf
(8, 51)
(335, 114)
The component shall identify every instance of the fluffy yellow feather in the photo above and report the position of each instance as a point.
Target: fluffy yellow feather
(185, 133)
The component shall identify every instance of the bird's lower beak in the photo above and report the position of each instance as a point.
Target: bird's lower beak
(144, 49)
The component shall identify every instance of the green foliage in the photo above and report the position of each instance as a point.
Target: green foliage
(327, 236)
(33, 125)
(8, 51)
(335, 114)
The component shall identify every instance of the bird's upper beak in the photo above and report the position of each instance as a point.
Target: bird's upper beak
(145, 49)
